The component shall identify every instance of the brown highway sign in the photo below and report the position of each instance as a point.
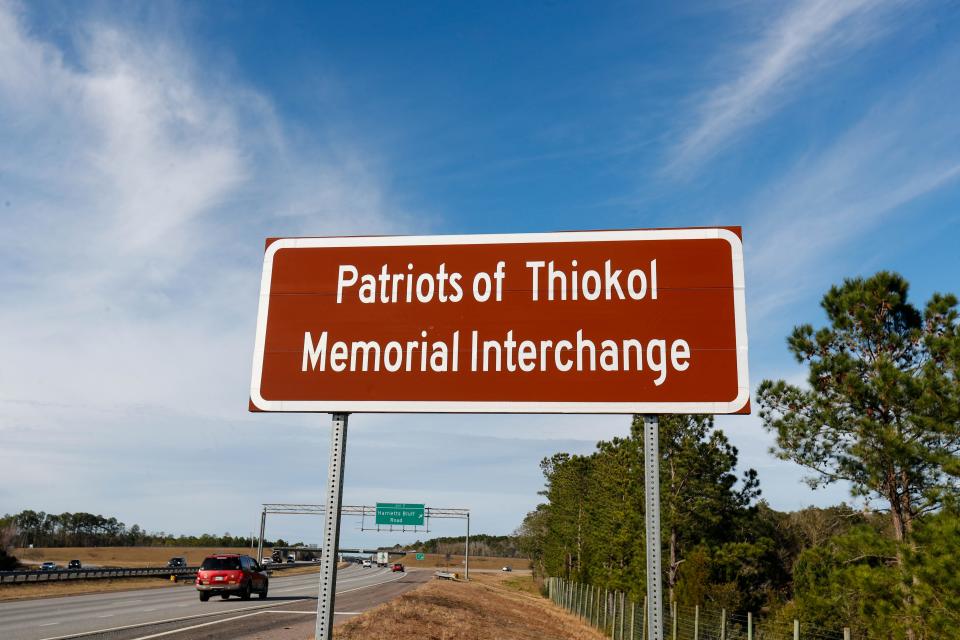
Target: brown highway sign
(634, 321)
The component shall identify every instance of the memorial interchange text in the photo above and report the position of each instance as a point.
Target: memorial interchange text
(509, 352)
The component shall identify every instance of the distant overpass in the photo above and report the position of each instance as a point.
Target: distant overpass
(300, 551)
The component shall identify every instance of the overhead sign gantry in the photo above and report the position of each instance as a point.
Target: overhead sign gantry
(634, 322)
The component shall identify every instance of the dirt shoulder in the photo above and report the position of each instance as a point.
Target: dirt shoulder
(489, 607)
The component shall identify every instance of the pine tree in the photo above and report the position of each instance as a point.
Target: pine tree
(882, 412)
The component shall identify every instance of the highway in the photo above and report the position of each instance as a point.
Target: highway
(176, 612)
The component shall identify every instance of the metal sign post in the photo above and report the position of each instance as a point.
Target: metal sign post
(331, 527)
(263, 526)
(651, 489)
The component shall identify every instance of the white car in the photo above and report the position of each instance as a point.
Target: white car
(367, 564)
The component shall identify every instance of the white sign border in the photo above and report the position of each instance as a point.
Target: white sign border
(431, 406)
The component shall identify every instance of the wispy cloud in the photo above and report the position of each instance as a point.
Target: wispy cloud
(805, 39)
(904, 148)
(136, 187)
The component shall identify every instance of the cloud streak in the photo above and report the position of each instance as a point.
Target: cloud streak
(906, 147)
(805, 39)
(136, 187)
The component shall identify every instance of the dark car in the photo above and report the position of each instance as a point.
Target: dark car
(177, 562)
(396, 566)
(74, 564)
(228, 574)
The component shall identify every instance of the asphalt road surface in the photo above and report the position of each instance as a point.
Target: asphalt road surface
(177, 613)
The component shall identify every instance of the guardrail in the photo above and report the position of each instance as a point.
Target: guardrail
(33, 576)
(446, 575)
(17, 577)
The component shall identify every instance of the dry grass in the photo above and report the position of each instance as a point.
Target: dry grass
(492, 607)
(123, 556)
(103, 585)
(76, 587)
(439, 561)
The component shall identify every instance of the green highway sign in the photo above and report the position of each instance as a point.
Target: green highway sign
(419, 556)
(400, 514)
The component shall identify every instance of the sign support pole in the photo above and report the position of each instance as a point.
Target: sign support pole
(651, 487)
(466, 554)
(263, 527)
(331, 527)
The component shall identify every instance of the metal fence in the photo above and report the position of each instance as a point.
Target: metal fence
(618, 616)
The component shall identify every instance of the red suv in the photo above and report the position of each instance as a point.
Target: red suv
(231, 573)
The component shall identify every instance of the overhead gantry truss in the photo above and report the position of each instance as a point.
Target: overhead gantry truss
(363, 511)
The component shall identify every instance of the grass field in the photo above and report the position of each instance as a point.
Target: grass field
(491, 607)
(158, 557)
(122, 556)
(439, 561)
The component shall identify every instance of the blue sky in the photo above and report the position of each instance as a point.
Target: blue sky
(148, 148)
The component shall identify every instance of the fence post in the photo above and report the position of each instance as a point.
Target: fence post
(673, 616)
(623, 612)
(846, 633)
(696, 622)
(749, 626)
(606, 603)
(723, 624)
(633, 614)
(590, 604)
(796, 629)
(643, 620)
(616, 607)
(613, 623)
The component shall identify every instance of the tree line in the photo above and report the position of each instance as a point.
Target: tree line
(481, 544)
(880, 411)
(82, 529)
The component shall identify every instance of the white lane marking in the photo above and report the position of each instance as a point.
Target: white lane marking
(198, 626)
(308, 613)
(167, 620)
(106, 615)
(215, 613)
(47, 624)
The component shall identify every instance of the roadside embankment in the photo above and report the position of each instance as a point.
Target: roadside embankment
(489, 607)
(454, 562)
